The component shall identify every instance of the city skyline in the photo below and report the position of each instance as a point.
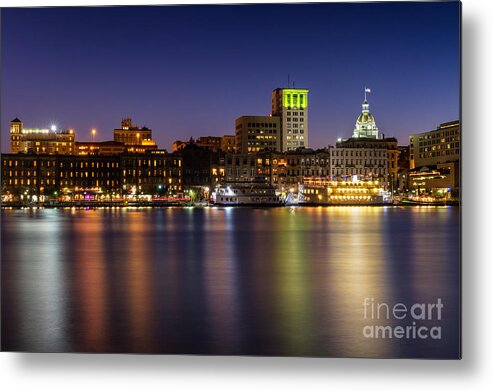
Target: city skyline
(232, 180)
(198, 87)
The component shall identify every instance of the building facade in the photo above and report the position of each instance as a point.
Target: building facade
(128, 173)
(240, 167)
(436, 146)
(441, 180)
(106, 148)
(151, 172)
(225, 143)
(212, 143)
(364, 162)
(49, 175)
(135, 138)
(291, 106)
(368, 155)
(196, 165)
(228, 143)
(47, 141)
(257, 133)
(306, 163)
(283, 170)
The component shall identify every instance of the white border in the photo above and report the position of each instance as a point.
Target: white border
(122, 372)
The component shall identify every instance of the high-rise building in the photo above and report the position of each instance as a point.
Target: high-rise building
(51, 141)
(291, 106)
(257, 133)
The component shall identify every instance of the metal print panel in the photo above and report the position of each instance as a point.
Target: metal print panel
(278, 180)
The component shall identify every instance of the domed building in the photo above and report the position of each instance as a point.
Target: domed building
(368, 153)
(365, 124)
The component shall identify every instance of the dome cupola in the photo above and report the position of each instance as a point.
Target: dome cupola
(365, 124)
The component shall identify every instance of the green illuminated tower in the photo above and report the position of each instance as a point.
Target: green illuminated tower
(291, 105)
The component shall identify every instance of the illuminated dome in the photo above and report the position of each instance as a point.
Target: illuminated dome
(365, 124)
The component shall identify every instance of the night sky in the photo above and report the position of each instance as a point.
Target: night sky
(192, 70)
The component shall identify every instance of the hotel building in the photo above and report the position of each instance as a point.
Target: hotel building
(436, 146)
(49, 141)
(435, 160)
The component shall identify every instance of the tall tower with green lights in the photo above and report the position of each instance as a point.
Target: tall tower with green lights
(291, 105)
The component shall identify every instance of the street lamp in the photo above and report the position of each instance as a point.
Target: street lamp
(93, 132)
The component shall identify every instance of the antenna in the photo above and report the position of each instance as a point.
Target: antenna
(289, 81)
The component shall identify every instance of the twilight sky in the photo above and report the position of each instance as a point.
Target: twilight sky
(191, 70)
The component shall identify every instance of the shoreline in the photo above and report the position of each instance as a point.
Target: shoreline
(184, 205)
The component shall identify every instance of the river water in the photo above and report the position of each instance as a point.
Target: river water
(253, 281)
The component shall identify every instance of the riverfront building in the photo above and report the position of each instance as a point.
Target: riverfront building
(365, 162)
(51, 175)
(285, 171)
(306, 163)
(436, 146)
(71, 175)
(441, 180)
(435, 161)
(371, 149)
(154, 172)
(49, 141)
(368, 153)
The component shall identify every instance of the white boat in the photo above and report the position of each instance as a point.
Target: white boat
(245, 194)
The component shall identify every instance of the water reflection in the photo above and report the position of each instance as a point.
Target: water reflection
(89, 294)
(34, 283)
(284, 281)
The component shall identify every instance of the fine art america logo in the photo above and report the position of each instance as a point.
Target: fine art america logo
(402, 321)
